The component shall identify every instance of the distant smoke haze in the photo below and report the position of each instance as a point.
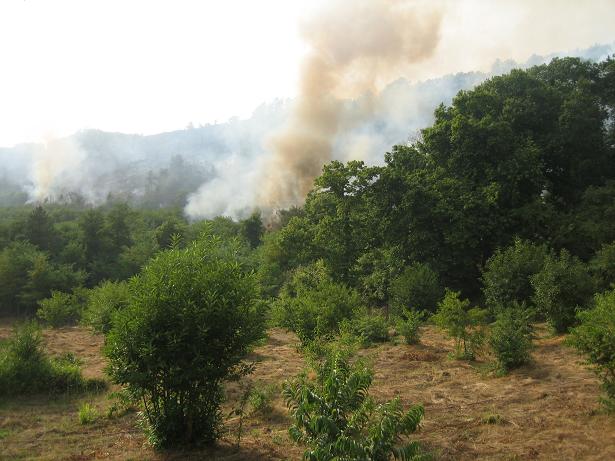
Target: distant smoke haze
(366, 83)
(354, 47)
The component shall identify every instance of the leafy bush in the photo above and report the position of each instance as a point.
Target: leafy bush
(511, 337)
(506, 276)
(87, 414)
(603, 266)
(193, 314)
(409, 325)
(59, 310)
(261, 398)
(418, 287)
(103, 301)
(335, 417)
(25, 369)
(312, 305)
(561, 288)
(461, 323)
(367, 328)
(595, 337)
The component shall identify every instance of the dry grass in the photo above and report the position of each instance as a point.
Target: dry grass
(546, 410)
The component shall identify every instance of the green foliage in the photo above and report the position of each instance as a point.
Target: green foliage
(418, 288)
(103, 302)
(312, 305)
(335, 417)
(602, 266)
(461, 323)
(375, 271)
(87, 414)
(59, 310)
(409, 324)
(368, 328)
(193, 314)
(261, 399)
(561, 288)
(511, 337)
(252, 229)
(27, 276)
(506, 276)
(595, 337)
(25, 369)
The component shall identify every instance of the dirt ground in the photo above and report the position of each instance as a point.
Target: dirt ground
(546, 410)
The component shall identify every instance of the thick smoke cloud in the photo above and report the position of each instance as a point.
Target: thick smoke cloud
(374, 72)
(354, 48)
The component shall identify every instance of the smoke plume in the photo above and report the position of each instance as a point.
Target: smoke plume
(355, 48)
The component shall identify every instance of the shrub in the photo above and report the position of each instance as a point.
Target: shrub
(312, 305)
(367, 328)
(87, 414)
(561, 288)
(507, 273)
(418, 288)
(595, 337)
(261, 398)
(511, 337)
(461, 323)
(603, 266)
(193, 314)
(25, 369)
(409, 325)
(335, 417)
(103, 301)
(59, 310)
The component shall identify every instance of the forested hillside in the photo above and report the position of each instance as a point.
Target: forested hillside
(496, 223)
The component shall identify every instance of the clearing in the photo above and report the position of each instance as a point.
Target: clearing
(546, 410)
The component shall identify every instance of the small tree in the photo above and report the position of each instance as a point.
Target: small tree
(192, 316)
(409, 325)
(506, 276)
(418, 288)
(511, 337)
(60, 309)
(312, 305)
(461, 323)
(560, 288)
(335, 417)
(595, 337)
(602, 266)
(103, 301)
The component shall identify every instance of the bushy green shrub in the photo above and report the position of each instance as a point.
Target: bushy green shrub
(368, 328)
(595, 337)
(261, 398)
(561, 288)
(511, 337)
(417, 287)
(602, 266)
(103, 301)
(506, 276)
(25, 369)
(312, 305)
(335, 417)
(409, 324)
(192, 316)
(59, 310)
(461, 323)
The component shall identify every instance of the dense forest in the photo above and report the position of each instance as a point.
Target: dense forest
(501, 213)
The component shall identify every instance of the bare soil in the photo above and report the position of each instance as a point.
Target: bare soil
(546, 410)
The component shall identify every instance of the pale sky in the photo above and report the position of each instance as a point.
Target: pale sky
(152, 66)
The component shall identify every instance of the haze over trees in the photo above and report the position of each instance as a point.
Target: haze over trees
(499, 215)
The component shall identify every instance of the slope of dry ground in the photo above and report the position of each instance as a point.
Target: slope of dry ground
(547, 410)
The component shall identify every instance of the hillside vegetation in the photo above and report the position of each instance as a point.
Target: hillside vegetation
(426, 307)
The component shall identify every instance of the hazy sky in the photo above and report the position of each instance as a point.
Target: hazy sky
(152, 66)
